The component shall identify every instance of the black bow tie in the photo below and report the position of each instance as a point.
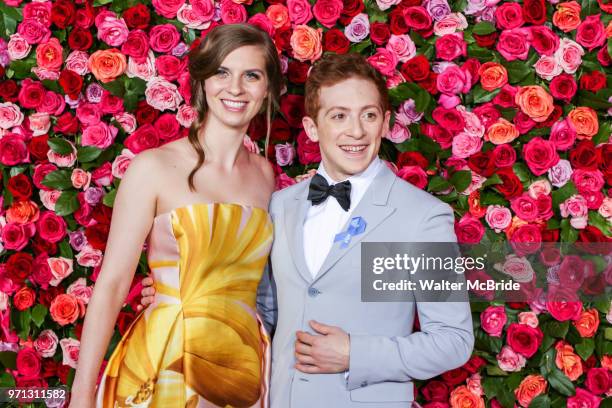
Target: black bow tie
(319, 190)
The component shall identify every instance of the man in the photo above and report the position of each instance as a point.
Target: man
(329, 348)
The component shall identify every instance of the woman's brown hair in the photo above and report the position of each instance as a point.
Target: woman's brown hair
(205, 60)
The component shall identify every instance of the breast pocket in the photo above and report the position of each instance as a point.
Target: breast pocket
(384, 392)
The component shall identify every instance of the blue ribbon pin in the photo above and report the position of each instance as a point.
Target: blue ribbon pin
(356, 226)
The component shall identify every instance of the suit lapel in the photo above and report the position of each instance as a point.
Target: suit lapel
(295, 215)
(373, 208)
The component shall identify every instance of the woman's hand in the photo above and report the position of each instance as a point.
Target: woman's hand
(147, 293)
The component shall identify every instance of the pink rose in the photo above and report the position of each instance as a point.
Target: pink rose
(498, 217)
(63, 160)
(89, 257)
(80, 290)
(384, 61)
(510, 361)
(493, 320)
(102, 176)
(70, 352)
(569, 55)
(10, 115)
(540, 155)
(563, 135)
(111, 30)
(167, 8)
(560, 173)
(121, 163)
(469, 229)
(575, 206)
(145, 137)
(453, 80)
(327, 12)
(591, 32)
(188, 15)
(49, 198)
(399, 133)
(285, 153)
(544, 40)
(588, 180)
(205, 9)
(526, 239)
(386, 4)
(583, 399)
(144, 69)
(18, 47)
(606, 207)
(39, 123)
(232, 13)
(162, 95)
(88, 114)
(13, 150)
(528, 318)
(518, 268)
(414, 175)
(77, 61)
(33, 31)
(514, 44)
(547, 67)
(46, 343)
(163, 38)
(451, 46)
(80, 178)
(99, 135)
(449, 24)
(185, 115)
(299, 11)
(127, 121)
(465, 145)
(402, 46)
(525, 207)
(539, 188)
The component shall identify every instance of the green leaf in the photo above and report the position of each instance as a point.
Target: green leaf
(610, 46)
(553, 224)
(13, 12)
(109, 198)
(555, 329)
(541, 401)
(39, 312)
(25, 317)
(60, 146)
(492, 198)
(605, 129)
(65, 249)
(115, 87)
(585, 348)
(484, 28)
(561, 383)
(87, 154)
(597, 101)
(589, 7)
(517, 70)
(8, 360)
(461, 179)
(482, 54)
(437, 183)
(360, 47)
(22, 68)
(7, 380)
(547, 362)
(568, 233)
(67, 203)
(410, 90)
(481, 95)
(59, 180)
(608, 333)
(494, 179)
(135, 85)
(98, 3)
(53, 86)
(597, 220)
(522, 172)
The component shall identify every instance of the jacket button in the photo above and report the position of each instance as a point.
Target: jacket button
(313, 292)
(363, 384)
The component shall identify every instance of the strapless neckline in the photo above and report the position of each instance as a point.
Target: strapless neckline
(212, 203)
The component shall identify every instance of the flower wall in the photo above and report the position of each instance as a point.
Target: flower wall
(502, 109)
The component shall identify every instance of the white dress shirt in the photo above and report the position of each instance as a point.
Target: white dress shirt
(327, 219)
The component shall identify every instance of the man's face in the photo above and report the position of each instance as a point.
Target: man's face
(349, 126)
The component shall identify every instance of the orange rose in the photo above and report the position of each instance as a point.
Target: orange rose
(492, 76)
(306, 43)
(66, 309)
(606, 362)
(22, 212)
(462, 397)
(588, 323)
(531, 386)
(585, 122)
(106, 65)
(567, 16)
(535, 102)
(567, 361)
(278, 15)
(501, 132)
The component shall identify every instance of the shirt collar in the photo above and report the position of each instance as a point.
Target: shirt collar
(359, 182)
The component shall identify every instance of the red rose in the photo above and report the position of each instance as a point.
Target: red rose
(110, 104)
(435, 391)
(136, 45)
(593, 81)
(524, 339)
(19, 266)
(482, 163)
(145, 137)
(63, 13)
(591, 33)
(509, 15)
(297, 72)
(334, 40)
(169, 66)
(41, 272)
(591, 234)
(511, 185)
(49, 368)
(24, 298)
(13, 150)
(472, 65)
(124, 320)
(584, 156)
(526, 239)
(562, 305)
(504, 156)
(327, 12)
(441, 136)
(282, 39)
(20, 186)
(102, 214)
(71, 82)
(540, 155)
(137, 17)
(51, 227)
(167, 126)
(469, 229)
(563, 87)
(9, 90)
(28, 363)
(80, 39)
(486, 41)
(97, 235)
(257, 127)
(292, 108)
(397, 22)
(455, 376)
(31, 94)
(415, 175)
(411, 159)
(604, 57)
(145, 113)
(598, 380)
(307, 150)
(350, 8)
(474, 364)
(552, 118)
(449, 119)
(534, 11)
(16, 236)
(450, 47)
(102, 176)
(66, 124)
(429, 83)
(604, 156)
(544, 40)
(550, 235)
(417, 18)
(280, 131)
(45, 297)
(415, 69)
(38, 147)
(379, 33)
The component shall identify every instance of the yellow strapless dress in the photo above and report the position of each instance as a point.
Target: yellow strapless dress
(201, 344)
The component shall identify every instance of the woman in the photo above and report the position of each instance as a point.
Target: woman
(201, 202)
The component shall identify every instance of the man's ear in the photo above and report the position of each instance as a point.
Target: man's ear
(386, 121)
(310, 127)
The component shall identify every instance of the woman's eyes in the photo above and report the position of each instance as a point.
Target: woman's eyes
(222, 73)
(252, 75)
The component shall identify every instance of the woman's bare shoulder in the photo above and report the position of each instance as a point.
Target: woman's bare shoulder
(265, 167)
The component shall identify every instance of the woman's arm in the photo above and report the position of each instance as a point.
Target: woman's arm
(133, 215)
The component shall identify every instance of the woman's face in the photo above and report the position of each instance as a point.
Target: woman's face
(234, 94)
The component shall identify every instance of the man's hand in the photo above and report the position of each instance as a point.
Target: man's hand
(147, 293)
(325, 353)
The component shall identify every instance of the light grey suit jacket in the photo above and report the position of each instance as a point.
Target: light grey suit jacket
(385, 354)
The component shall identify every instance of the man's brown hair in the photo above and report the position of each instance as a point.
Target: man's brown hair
(335, 68)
